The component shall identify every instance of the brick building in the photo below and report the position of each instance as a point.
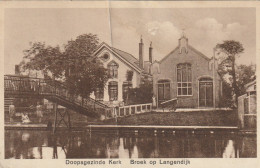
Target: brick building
(188, 75)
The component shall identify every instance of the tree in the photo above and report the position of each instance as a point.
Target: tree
(142, 94)
(84, 73)
(226, 99)
(43, 58)
(129, 78)
(231, 49)
(245, 74)
(75, 65)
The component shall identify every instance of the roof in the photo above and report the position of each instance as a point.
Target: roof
(124, 56)
(250, 84)
(129, 57)
(190, 48)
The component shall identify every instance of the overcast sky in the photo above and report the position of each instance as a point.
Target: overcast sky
(122, 28)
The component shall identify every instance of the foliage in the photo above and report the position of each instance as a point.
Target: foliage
(245, 74)
(74, 64)
(231, 49)
(143, 94)
(226, 99)
(83, 73)
(129, 78)
(43, 58)
(129, 75)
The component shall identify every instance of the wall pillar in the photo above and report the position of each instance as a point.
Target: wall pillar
(120, 91)
(106, 95)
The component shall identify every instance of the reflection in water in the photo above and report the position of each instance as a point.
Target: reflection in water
(44, 145)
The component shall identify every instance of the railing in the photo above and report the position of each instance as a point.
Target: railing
(46, 87)
(128, 110)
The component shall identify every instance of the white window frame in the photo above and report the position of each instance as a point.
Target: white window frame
(181, 82)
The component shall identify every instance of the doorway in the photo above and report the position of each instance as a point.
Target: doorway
(205, 92)
(163, 91)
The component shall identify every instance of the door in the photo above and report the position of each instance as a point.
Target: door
(205, 92)
(163, 91)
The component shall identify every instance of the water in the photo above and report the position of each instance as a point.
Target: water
(43, 144)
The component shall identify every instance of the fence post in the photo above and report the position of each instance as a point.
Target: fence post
(55, 121)
(94, 105)
(19, 84)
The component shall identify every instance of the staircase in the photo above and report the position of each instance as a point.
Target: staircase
(20, 86)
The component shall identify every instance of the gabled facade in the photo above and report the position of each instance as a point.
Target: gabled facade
(118, 63)
(189, 76)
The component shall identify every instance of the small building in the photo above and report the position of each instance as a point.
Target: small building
(118, 62)
(188, 75)
(251, 88)
(247, 107)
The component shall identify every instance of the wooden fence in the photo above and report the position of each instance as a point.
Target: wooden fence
(128, 110)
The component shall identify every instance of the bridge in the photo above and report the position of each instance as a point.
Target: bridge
(54, 91)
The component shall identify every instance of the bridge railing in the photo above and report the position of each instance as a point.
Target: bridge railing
(47, 87)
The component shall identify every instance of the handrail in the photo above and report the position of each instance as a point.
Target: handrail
(167, 101)
(47, 87)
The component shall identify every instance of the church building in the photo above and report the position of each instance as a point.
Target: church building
(188, 75)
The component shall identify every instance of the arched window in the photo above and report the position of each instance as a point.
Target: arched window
(184, 79)
(113, 90)
(113, 69)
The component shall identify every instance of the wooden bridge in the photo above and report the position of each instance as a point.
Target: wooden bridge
(54, 91)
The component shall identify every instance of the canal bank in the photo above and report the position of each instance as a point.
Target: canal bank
(186, 118)
(155, 122)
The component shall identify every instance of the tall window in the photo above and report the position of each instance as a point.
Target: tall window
(113, 91)
(99, 94)
(113, 69)
(184, 81)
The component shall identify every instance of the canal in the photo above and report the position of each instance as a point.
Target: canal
(32, 144)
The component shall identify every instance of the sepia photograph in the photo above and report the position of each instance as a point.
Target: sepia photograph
(125, 83)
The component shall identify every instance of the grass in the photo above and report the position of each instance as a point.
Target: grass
(203, 118)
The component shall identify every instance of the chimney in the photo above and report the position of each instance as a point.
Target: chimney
(17, 70)
(151, 53)
(141, 54)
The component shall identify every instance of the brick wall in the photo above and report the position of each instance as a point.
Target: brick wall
(200, 68)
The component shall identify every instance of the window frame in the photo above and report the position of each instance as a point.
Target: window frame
(113, 67)
(126, 84)
(164, 83)
(181, 83)
(115, 85)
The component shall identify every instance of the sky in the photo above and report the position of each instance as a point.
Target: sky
(122, 29)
